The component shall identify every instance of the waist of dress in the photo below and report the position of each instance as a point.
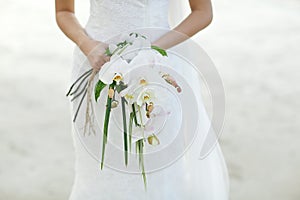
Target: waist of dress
(101, 29)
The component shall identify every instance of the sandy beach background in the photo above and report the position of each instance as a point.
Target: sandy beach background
(255, 46)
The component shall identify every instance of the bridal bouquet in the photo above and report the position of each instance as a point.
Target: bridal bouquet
(127, 90)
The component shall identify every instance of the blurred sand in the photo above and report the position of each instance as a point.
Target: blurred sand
(255, 45)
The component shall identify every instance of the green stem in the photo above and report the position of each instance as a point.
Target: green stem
(106, 121)
(140, 144)
(81, 82)
(123, 48)
(140, 113)
(80, 103)
(84, 75)
(130, 129)
(134, 115)
(125, 131)
(81, 91)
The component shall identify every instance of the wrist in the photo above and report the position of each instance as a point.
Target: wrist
(155, 43)
(83, 44)
(159, 45)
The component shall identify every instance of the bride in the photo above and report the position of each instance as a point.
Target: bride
(205, 179)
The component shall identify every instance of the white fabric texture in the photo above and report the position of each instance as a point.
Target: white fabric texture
(178, 10)
(189, 178)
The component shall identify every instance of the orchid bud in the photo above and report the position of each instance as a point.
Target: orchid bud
(111, 92)
(153, 140)
(114, 104)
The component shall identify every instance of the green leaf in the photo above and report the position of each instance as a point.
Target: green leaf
(98, 88)
(160, 50)
(107, 52)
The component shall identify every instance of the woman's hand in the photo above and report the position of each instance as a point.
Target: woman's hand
(200, 17)
(95, 52)
(68, 23)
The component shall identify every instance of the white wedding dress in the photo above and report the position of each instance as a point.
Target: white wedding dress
(187, 178)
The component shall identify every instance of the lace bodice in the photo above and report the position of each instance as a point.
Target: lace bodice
(110, 17)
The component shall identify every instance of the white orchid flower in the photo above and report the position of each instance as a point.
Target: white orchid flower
(114, 69)
(130, 51)
(141, 43)
(132, 94)
(149, 57)
(145, 96)
(144, 57)
(139, 54)
(128, 92)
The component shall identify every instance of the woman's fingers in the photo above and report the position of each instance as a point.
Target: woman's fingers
(100, 62)
(97, 57)
(107, 58)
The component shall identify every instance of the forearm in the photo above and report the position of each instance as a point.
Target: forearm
(70, 26)
(192, 24)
